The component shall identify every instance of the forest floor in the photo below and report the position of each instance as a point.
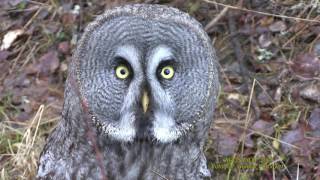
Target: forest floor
(267, 120)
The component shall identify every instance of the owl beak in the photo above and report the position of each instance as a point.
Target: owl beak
(145, 101)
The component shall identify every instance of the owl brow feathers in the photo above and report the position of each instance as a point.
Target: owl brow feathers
(90, 134)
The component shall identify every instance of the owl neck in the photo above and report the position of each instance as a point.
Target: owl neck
(139, 160)
(146, 160)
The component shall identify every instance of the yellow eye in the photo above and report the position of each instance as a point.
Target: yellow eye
(122, 72)
(167, 72)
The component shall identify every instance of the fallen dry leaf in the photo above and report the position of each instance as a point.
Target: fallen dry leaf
(278, 26)
(9, 38)
(263, 127)
(302, 157)
(4, 55)
(306, 65)
(291, 137)
(311, 92)
(22, 117)
(64, 47)
(248, 142)
(314, 119)
(265, 40)
(226, 144)
(48, 64)
(314, 122)
(68, 18)
(264, 99)
(4, 66)
(266, 21)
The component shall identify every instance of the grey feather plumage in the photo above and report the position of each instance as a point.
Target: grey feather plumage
(104, 132)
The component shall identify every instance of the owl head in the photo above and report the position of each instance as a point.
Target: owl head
(147, 72)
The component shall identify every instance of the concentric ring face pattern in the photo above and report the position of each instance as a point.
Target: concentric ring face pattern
(108, 96)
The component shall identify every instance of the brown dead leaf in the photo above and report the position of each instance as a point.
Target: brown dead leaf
(21, 81)
(265, 40)
(263, 127)
(278, 26)
(36, 94)
(64, 47)
(22, 117)
(303, 161)
(311, 92)
(4, 55)
(305, 147)
(291, 137)
(51, 27)
(31, 69)
(68, 18)
(265, 114)
(306, 65)
(226, 144)
(264, 99)
(226, 136)
(48, 64)
(314, 122)
(248, 142)
(4, 66)
(266, 21)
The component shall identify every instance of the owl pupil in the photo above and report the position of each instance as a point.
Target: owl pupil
(122, 71)
(166, 71)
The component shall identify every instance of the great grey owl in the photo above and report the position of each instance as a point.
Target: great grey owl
(139, 99)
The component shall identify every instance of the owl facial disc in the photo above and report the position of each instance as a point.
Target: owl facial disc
(146, 77)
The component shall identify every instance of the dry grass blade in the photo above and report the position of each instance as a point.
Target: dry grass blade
(246, 125)
(235, 123)
(25, 158)
(263, 13)
(22, 153)
(216, 19)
